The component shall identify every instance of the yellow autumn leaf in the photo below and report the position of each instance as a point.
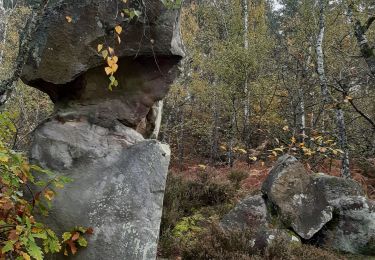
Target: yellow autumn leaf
(202, 166)
(347, 99)
(242, 151)
(108, 70)
(25, 256)
(118, 29)
(68, 19)
(111, 51)
(286, 128)
(293, 140)
(49, 194)
(100, 47)
(254, 158)
(105, 54)
(112, 61)
(114, 68)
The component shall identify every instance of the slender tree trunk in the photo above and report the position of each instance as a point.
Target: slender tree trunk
(215, 125)
(3, 30)
(327, 97)
(231, 140)
(360, 34)
(301, 98)
(246, 127)
(301, 115)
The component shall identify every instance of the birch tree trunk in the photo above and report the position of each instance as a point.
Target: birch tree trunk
(246, 128)
(3, 30)
(301, 115)
(360, 33)
(328, 99)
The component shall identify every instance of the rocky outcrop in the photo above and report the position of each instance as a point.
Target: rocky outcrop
(97, 136)
(320, 209)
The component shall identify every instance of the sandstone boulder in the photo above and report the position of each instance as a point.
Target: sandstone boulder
(333, 187)
(251, 214)
(299, 204)
(353, 227)
(64, 49)
(64, 61)
(117, 188)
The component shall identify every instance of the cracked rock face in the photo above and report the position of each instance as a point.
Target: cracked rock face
(99, 137)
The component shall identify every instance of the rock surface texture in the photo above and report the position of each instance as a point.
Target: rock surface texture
(289, 189)
(316, 208)
(99, 137)
(251, 214)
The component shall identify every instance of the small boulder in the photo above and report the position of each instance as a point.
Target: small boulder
(251, 214)
(335, 187)
(352, 229)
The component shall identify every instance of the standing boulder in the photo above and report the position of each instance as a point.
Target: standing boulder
(299, 204)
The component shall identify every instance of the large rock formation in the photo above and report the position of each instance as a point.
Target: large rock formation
(320, 209)
(97, 136)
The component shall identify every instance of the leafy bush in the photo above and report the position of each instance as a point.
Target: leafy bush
(21, 236)
(187, 205)
(219, 244)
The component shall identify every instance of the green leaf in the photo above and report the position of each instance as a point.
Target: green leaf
(8, 246)
(66, 236)
(34, 250)
(82, 241)
(42, 235)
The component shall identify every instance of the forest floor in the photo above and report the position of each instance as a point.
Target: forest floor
(198, 196)
(257, 172)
